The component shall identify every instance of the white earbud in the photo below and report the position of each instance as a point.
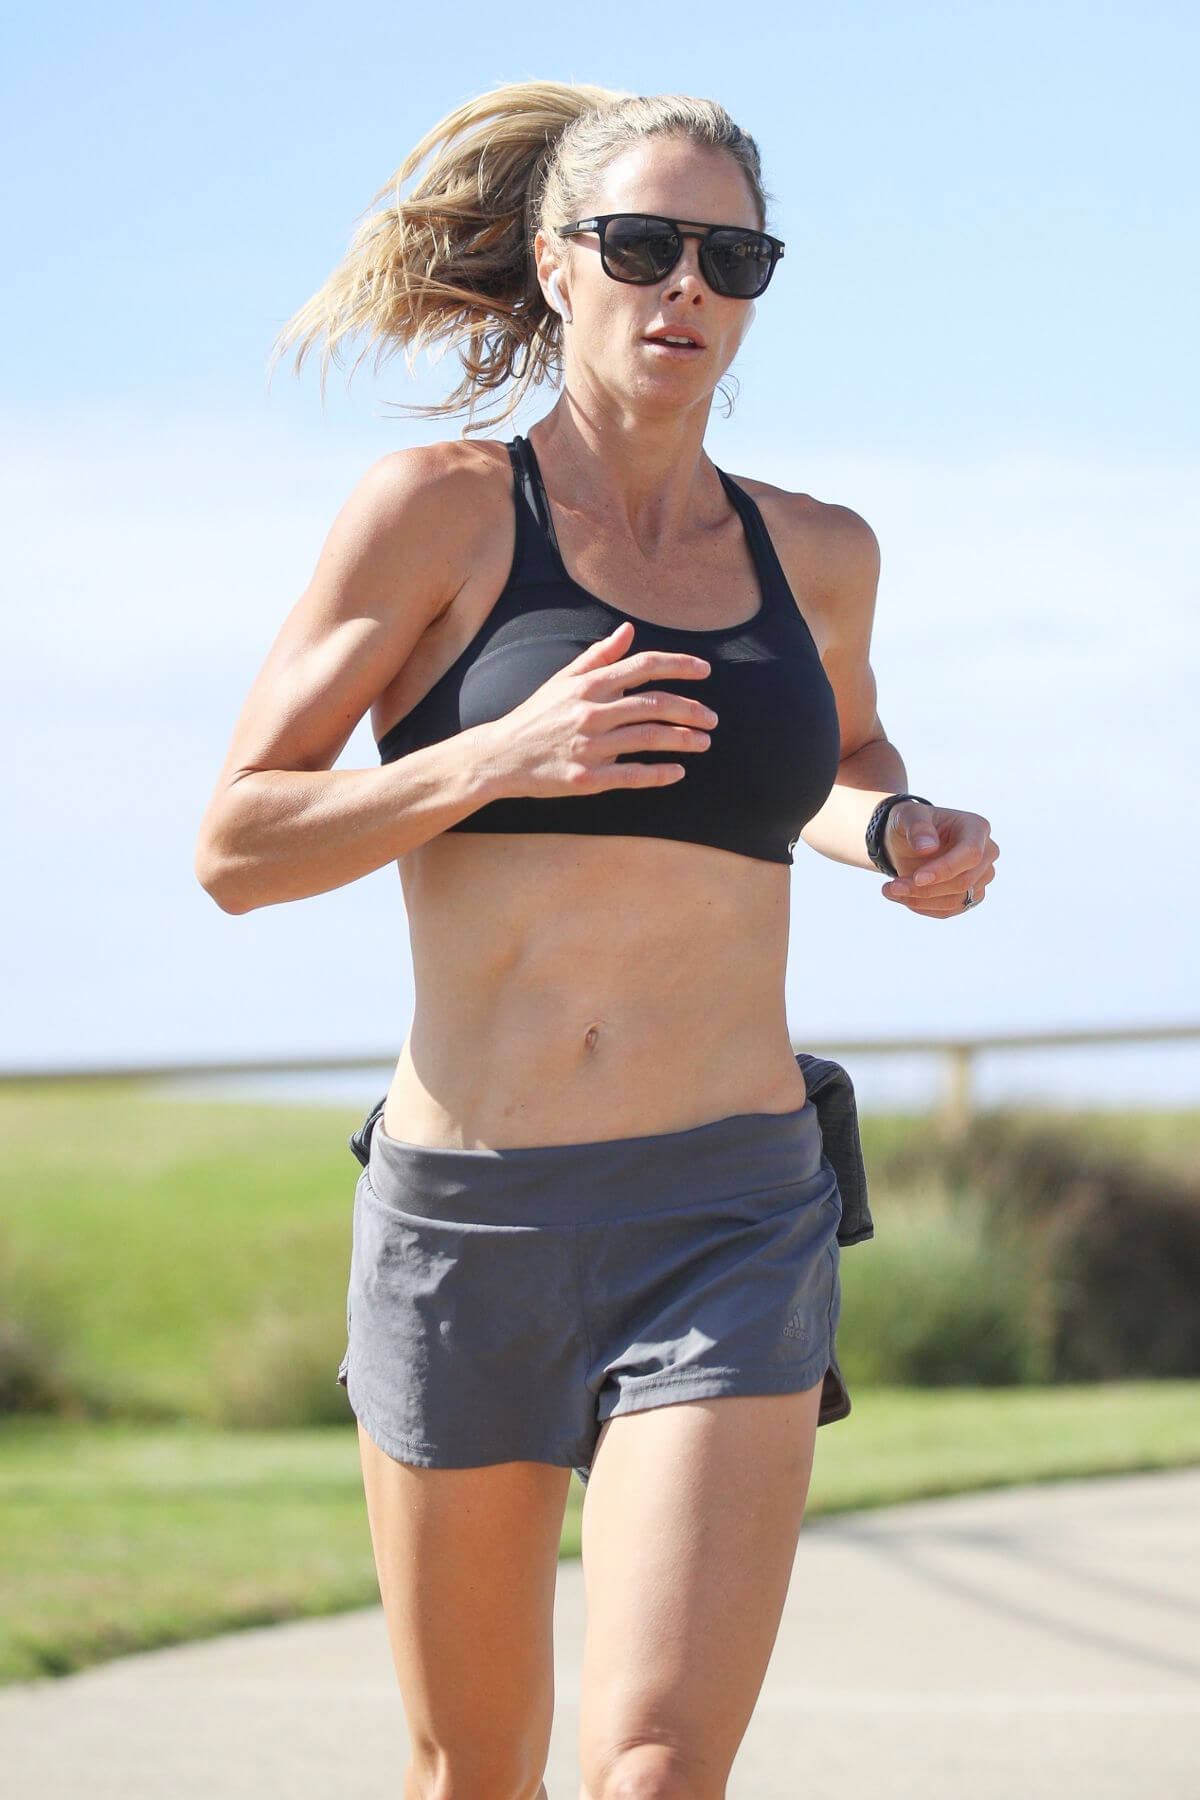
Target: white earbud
(747, 322)
(557, 298)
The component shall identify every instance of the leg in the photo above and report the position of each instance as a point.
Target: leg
(467, 1561)
(690, 1524)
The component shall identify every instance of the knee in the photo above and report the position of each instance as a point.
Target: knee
(467, 1776)
(654, 1772)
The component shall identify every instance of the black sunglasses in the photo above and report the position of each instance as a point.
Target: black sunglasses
(642, 248)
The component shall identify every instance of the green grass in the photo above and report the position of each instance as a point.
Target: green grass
(172, 1281)
(116, 1538)
(180, 1260)
(914, 1443)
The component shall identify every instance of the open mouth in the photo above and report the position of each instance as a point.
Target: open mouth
(671, 344)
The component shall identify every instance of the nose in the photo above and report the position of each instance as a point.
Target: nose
(685, 279)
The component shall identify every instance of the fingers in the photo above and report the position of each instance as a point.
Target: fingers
(948, 870)
(947, 898)
(608, 654)
(963, 866)
(961, 841)
(625, 739)
(656, 721)
(605, 650)
(947, 906)
(909, 887)
(657, 708)
(649, 736)
(604, 722)
(650, 665)
(640, 774)
(936, 886)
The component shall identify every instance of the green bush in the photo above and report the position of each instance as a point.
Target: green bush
(36, 1364)
(276, 1370)
(938, 1298)
(1112, 1240)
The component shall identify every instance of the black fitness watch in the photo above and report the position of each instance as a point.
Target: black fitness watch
(876, 826)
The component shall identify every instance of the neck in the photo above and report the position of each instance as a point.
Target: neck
(648, 476)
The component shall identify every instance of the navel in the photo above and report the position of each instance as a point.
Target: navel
(591, 1036)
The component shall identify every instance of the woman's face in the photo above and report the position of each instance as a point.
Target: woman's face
(605, 347)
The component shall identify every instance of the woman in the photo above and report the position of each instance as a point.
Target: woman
(612, 687)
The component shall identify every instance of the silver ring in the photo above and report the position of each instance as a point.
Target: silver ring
(969, 898)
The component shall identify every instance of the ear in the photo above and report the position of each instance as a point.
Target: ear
(558, 299)
(547, 268)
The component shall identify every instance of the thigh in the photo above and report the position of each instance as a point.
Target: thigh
(690, 1523)
(467, 1561)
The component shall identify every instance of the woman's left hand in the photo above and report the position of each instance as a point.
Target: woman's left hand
(938, 854)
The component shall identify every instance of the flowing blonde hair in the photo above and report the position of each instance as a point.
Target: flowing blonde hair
(453, 263)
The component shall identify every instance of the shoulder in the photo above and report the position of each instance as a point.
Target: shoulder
(428, 512)
(450, 476)
(829, 552)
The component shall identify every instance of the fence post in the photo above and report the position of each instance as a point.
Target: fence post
(956, 1097)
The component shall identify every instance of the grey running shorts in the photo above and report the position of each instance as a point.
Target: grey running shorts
(504, 1303)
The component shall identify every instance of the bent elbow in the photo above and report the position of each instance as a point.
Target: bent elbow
(215, 875)
(217, 890)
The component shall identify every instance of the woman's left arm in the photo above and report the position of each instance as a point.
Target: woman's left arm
(938, 852)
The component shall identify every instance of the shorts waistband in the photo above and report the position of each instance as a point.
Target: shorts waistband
(607, 1178)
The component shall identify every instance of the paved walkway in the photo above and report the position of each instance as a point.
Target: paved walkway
(1021, 1643)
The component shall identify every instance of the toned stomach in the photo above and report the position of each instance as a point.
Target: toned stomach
(571, 989)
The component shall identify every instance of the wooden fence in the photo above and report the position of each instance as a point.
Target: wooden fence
(957, 1055)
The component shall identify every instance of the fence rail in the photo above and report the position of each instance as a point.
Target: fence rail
(957, 1053)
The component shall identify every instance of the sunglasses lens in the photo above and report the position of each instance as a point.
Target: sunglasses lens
(739, 262)
(640, 249)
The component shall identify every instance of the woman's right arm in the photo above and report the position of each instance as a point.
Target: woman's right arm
(282, 823)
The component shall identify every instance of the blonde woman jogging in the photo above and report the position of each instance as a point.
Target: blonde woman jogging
(612, 687)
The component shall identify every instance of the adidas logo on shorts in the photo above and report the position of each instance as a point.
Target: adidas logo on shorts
(796, 1326)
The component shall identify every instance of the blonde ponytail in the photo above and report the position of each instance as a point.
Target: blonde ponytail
(452, 263)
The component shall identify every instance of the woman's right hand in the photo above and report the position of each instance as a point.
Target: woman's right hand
(565, 738)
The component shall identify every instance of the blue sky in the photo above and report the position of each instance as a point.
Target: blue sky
(981, 338)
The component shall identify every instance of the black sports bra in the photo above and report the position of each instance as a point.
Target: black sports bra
(774, 752)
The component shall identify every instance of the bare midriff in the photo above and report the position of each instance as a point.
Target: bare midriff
(574, 988)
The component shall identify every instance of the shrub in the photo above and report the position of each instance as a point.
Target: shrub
(277, 1370)
(1115, 1241)
(939, 1299)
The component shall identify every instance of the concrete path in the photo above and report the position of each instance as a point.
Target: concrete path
(1021, 1643)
